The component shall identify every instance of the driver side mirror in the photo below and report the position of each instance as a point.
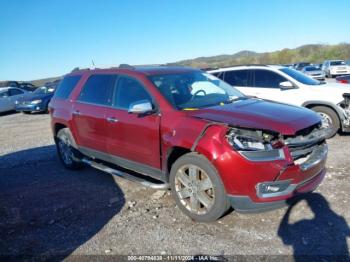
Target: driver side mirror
(286, 85)
(140, 107)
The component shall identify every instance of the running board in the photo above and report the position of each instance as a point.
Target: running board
(104, 168)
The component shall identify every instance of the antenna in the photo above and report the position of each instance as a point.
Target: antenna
(93, 64)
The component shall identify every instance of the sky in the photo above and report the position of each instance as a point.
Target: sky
(49, 38)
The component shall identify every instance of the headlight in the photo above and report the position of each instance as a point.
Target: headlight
(256, 145)
(35, 102)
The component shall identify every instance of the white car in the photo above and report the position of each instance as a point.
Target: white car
(335, 68)
(9, 96)
(287, 85)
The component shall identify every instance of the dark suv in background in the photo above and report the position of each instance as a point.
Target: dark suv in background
(190, 132)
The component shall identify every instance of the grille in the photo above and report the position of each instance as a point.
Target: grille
(305, 142)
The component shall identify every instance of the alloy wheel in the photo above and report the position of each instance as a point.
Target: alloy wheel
(327, 122)
(65, 150)
(194, 189)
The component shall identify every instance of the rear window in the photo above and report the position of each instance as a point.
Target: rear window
(98, 89)
(66, 86)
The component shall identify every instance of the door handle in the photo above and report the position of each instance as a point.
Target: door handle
(76, 113)
(112, 119)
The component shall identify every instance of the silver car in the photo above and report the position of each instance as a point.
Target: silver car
(314, 72)
(9, 96)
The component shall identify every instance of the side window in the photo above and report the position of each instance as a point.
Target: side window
(66, 86)
(129, 91)
(237, 77)
(4, 94)
(14, 92)
(98, 89)
(267, 79)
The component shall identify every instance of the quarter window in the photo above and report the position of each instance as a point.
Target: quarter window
(98, 89)
(129, 91)
(267, 79)
(66, 86)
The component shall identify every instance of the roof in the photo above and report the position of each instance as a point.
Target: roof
(146, 70)
(245, 67)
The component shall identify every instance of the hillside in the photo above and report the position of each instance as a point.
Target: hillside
(306, 53)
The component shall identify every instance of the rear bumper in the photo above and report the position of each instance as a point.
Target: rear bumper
(245, 204)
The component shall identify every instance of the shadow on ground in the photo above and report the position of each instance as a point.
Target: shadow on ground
(46, 210)
(322, 237)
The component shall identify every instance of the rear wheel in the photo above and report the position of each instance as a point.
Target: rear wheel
(330, 119)
(198, 189)
(68, 155)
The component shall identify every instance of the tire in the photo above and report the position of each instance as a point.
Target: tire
(66, 149)
(329, 114)
(193, 197)
(26, 112)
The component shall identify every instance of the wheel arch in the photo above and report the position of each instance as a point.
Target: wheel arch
(173, 154)
(311, 104)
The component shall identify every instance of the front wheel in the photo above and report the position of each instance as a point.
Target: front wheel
(198, 189)
(66, 152)
(330, 119)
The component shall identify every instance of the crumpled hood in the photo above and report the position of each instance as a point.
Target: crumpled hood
(260, 114)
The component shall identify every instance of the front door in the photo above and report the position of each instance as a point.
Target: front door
(132, 137)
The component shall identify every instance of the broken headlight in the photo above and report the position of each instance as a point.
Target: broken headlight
(256, 145)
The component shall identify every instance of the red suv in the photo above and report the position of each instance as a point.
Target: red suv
(189, 131)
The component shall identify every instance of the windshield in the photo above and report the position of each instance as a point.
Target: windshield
(335, 63)
(300, 77)
(195, 90)
(312, 68)
(44, 90)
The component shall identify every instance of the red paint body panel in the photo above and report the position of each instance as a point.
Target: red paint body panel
(260, 114)
(149, 139)
(133, 137)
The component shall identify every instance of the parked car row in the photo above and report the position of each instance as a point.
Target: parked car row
(21, 100)
(22, 85)
(329, 68)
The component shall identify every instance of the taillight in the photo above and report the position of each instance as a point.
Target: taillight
(343, 81)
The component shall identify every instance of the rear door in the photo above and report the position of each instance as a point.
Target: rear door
(240, 79)
(89, 113)
(266, 85)
(132, 137)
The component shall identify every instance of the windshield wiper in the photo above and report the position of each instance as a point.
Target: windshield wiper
(231, 100)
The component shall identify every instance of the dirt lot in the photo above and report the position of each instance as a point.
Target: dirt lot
(46, 210)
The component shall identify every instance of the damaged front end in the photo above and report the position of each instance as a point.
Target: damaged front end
(306, 146)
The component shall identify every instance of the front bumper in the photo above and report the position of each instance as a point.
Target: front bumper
(30, 108)
(273, 194)
(245, 204)
(318, 77)
(339, 72)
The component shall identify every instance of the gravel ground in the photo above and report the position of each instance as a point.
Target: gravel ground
(47, 211)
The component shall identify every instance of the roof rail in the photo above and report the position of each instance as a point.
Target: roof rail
(218, 67)
(77, 69)
(126, 66)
